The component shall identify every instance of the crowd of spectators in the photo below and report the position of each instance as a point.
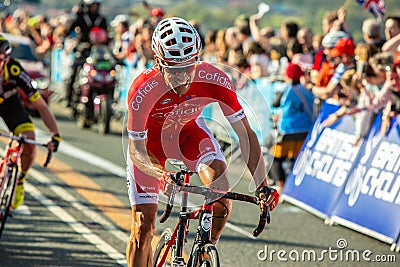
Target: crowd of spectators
(363, 77)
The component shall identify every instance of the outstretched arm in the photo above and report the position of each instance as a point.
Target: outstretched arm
(251, 151)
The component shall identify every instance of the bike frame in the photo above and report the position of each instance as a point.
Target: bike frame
(10, 161)
(181, 228)
(205, 215)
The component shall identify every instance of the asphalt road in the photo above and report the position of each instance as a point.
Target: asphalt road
(77, 214)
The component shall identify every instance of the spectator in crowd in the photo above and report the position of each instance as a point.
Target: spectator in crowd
(144, 56)
(317, 43)
(156, 15)
(244, 35)
(363, 53)
(233, 44)
(305, 38)
(353, 95)
(392, 34)
(323, 66)
(328, 19)
(263, 35)
(384, 75)
(210, 47)
(258, 60)
(343, 54)
(278, 58)
(293, 47)
(371, 30)
(242, 71)
(120, 43)
(379, 71)
(335, 20)
(221, 46)
(294, 119)
(396, 71)
(289, 30)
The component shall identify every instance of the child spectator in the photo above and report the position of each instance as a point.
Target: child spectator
(293, 123)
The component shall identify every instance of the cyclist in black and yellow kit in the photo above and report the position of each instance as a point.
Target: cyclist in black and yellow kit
(12, 77)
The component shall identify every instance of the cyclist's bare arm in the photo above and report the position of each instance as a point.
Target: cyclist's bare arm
(47, 116)
(251, 151)
(144, 159)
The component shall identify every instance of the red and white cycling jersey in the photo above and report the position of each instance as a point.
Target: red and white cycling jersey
(172, 124)
(155, 110)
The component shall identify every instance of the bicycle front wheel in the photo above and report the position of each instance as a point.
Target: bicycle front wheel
(208, 256)
(7, 189)
(161, 249)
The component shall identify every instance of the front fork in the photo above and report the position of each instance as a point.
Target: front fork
(203, 234)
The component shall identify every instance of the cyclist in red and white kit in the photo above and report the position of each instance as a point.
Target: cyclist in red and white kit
(164, 107)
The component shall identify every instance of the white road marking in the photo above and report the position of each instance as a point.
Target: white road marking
(85, 156)
(73, 223)
(22, 210)
(92, 215)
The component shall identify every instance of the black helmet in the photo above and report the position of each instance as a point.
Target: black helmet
(5, 47)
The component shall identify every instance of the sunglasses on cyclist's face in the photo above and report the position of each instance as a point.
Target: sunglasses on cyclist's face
(176, 70)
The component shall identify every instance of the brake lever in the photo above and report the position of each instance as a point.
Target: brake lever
(265, 217)
(169, 206)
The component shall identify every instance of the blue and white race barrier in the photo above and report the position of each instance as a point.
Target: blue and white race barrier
(358, 187)
(320, 171)
(370, 202)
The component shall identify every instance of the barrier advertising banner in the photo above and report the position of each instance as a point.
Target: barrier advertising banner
(323, 165)
(370, 202)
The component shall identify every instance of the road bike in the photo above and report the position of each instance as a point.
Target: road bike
(9, 172)
(169, 249)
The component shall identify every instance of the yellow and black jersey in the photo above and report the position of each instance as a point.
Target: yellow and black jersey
(15, 77)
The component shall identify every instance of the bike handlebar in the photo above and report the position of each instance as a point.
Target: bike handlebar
(22, 139)
(216, 194)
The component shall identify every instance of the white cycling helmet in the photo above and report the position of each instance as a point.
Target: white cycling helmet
(175, 40)
(89, 2)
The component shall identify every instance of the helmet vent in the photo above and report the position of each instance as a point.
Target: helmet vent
(181, 29)
(186, 39)
(174, 53)
(165, 34)
(170, 42)
(187, 50)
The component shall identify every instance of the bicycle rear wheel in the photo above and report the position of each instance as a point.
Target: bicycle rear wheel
(8, 184)
(161, 247)
(208, 256)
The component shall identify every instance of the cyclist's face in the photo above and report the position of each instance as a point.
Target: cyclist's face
(180, 76)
